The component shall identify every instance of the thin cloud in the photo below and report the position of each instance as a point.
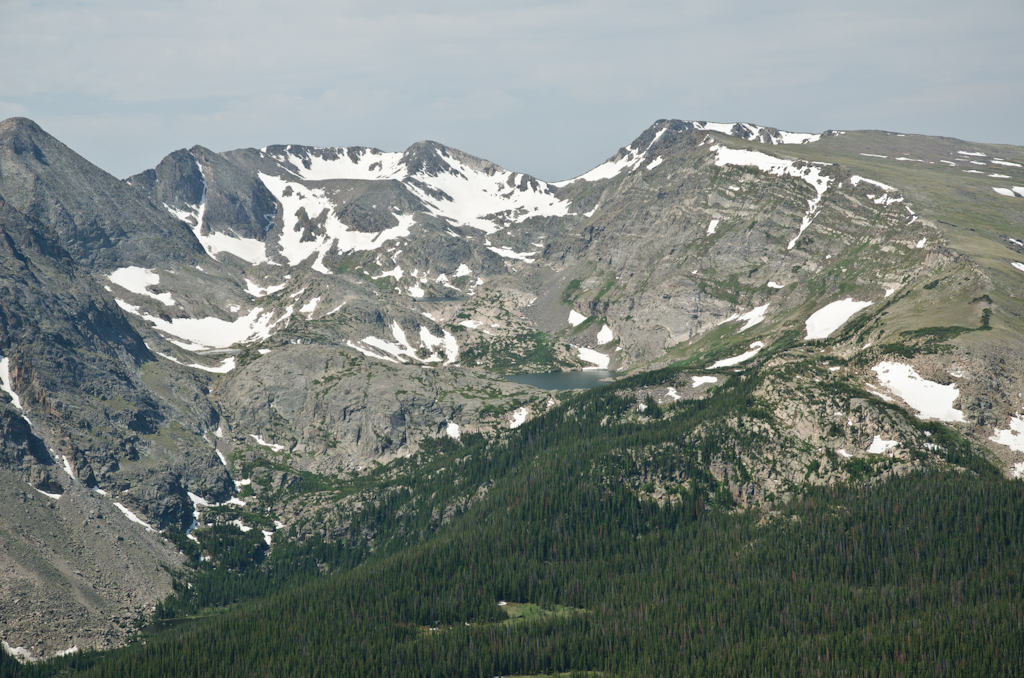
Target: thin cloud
(549, 88)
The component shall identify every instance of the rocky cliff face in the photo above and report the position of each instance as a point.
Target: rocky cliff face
(101, 222)
(251, 327)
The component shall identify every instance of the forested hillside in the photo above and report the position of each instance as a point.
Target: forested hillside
(566, 565)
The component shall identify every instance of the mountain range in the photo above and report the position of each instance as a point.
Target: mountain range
(283, 340)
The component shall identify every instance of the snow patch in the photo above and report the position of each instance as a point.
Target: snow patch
(1012, 437)
(712, 226)
(400, 350)
(325, 164)
(369, 353)
(226, 366)
(632, 158)
(576, 319)
(20, 653)
(296, 198)
(743, 357)
(453, 430)
(429, 340)
(1016, 264)
(599, 360)
(5, 382)
(886, 199)
(855, 179)
(775, 285)
(757, 133)
(138, 280)
(519, 417)
(309, 307)
(753, 317)
(797, 138)
(255, 290)
(830, 318)
(395, 273)
(605, 335)
(213, 332)
(879, 446)
(260, 441)
(700, 380)
(931, 399)
(246, 249)
(484, 200)
(451, 349)
(68, 468)
(132, 517)
(509, 253)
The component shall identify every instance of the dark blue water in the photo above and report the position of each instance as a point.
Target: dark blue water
(564, 381)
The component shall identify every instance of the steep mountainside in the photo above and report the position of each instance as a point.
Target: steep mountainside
(100, 221)
(271, 338)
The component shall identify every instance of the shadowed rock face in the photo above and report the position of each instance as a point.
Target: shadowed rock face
(78, 366)
(176, 181)
(100, 221)
(75, 568)
(234, 201)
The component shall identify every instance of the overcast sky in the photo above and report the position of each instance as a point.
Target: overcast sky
(551, 88)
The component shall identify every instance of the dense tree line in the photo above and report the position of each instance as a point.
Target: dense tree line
(918, 575)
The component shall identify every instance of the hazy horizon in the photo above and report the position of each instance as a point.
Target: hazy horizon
(551, 89)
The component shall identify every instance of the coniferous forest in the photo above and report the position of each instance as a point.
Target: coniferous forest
(561, 568)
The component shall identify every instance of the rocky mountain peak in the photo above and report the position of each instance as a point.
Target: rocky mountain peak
(425, 158)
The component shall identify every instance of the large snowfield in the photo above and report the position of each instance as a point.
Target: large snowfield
(830, 318)
(931, 399)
